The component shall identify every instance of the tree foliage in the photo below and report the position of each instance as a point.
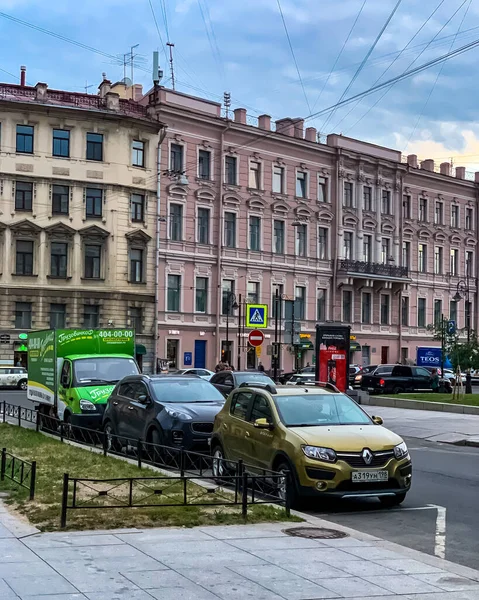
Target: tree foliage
(461, 352)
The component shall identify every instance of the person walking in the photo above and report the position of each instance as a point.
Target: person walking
(434, 381)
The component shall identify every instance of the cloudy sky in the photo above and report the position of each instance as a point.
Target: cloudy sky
(242, 47)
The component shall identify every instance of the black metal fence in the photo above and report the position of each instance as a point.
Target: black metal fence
(19, 471)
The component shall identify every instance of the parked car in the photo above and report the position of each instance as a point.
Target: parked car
(301, 378)
(353, 371)
(322, 437)
(448, 383)
(227, 381)
(172, 410)
(285, 377)
(451, 376)
(203, 373)
(402, 379)
(13, 377)
(372, 370)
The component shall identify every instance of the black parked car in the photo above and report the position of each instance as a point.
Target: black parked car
(172, 410)
(227, 381)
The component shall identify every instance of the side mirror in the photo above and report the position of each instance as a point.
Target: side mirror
(377, 420)
(263, 424)
(143, 398)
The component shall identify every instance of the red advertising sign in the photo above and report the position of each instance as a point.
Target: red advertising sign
(332, 356)
(256, 338)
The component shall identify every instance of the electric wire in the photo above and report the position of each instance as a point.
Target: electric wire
(163, 47)
(205, 16)
(165, 20)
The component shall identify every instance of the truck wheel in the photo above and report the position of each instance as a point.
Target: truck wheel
(398, 389)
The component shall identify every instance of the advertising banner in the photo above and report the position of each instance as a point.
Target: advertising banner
(41, 367)
(95, 341)
(332, 355)
(428, 357)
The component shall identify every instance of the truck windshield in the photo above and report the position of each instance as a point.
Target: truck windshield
(102, 370)
(311, 410)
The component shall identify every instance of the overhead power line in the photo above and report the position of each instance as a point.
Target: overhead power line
(210, 34)
(294, 55)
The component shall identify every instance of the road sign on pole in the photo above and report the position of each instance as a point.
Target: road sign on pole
(256, 338)
(257, 315)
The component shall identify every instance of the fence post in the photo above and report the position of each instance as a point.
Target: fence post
(63, 519)
(3, 464)
(33, 476)
(4, 410)
(182, 462)
(61, 431)
(289, 483)
(39, 418)
(19, 416)
(139, 450)
(244, 497)
(105, 443)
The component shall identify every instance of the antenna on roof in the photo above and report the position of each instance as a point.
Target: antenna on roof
(172, 68)
(227, 103)
(87, 87)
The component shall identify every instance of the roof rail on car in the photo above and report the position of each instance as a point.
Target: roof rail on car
(264, 386)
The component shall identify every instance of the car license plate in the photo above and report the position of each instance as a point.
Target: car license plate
(360, 476)
(370, 389)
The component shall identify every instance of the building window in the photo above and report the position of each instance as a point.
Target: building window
(301, 239)
(91, 316)
(255, 233)
(94, 203)
(23, 195)
(386, 202)
(437, 311)
(230, 230)
(405, 311)
(255, 175)
(136, 265)
(277, 306)
(230, 170)
(92, 261)
(94, 146)
(366, 308)
(204, 164)
(176, 222)
(455, 216)
(203, 226)
(469, 263)
(421, 312)
(323, 243)
(322, 189)
(61, 143)
(367, 248)
(300, 302)
(348, 245)
(136, 318)
(227, 289)
(23, 315)
(454, 267)
(173, 296)
(176, 158)
(278, 179)
(24, 258)
(25, 139)
(201, 294)
(406, 206)
(469, 222)
(137, 208)
(348, 194)
(278, 227)
(347, 306)
(423, 210)
(252, 296)
(385, 305)
(321, 305)
(368, 197)
(438, 260)
(406, 254)
(138, 153)
(439, 213)
(59, 259)
(453, 311)
(60, 199)
(422, 258)
(57, 316)
(301, 184)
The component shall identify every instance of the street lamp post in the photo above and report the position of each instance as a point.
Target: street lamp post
(231, 305)
(463, 292)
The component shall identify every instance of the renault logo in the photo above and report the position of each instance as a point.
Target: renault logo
(367, 456)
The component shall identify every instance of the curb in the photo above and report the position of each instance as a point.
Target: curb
(462, 409)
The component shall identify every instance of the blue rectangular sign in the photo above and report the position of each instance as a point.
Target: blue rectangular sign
(428, 357)
(188, 359)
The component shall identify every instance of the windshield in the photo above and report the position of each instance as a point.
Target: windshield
(189, 390)
(102, 370)
(309, 410)
(253, 377)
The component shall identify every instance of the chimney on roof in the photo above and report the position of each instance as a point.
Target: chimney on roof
(240, 115)
(427, 165)
(138, 92)
(104, 88)
(445, 168)
(285, 126)
(460, 172)
(264, 122)
(412, 161)
(311, 134)
(23, 75)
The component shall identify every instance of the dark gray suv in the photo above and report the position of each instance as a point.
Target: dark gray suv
(163, 409)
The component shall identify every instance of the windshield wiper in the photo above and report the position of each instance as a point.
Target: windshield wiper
(307, 424)
(96, 380)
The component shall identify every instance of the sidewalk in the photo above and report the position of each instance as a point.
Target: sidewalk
(221, 562)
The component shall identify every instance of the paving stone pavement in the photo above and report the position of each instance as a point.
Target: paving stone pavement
(220, 562)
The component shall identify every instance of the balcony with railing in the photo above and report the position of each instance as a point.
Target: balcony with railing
(370, 270)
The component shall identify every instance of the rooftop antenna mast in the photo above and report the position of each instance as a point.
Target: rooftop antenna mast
(87, 87)
(172, 68)
(227, 103)
(132, 56)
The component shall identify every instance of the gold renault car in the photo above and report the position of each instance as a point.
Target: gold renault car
(324, 439)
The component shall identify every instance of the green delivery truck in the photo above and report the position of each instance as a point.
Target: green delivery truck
(72, 372)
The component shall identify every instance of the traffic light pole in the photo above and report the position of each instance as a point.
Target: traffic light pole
(276, 328)
(442, 389)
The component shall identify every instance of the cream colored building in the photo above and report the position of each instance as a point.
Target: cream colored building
(78, 177)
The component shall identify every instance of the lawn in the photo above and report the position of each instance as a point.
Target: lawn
(54, 459)
(469, 399)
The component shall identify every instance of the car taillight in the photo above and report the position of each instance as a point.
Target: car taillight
(381, 382)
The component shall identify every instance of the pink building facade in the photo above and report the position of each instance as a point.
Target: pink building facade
(346, 230)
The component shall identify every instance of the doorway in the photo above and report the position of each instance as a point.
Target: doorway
(384, 355)
(172, 353)
(200, 354)
(366, 355)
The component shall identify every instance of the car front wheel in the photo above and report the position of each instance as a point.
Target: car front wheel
(218, 466)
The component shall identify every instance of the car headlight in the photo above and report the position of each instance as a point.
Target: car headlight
(358, 378)
(87, 405)
(318, 453)
(177, 414)
(400, 451)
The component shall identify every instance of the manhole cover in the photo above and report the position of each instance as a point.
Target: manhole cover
(316, 533)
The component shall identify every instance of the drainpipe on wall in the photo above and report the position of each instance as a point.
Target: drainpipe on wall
(157, 247)
(336, 249)
(219, 248)
(401, 199)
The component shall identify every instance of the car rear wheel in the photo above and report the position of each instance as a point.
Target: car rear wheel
(389, 501)
(23, 384)
(112, 442)
(398, 389)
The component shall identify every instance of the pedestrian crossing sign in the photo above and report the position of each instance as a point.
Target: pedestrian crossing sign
(257, 316)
